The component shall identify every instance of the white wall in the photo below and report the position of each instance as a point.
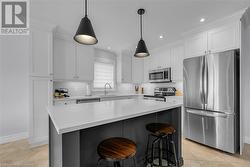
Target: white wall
(14, 86)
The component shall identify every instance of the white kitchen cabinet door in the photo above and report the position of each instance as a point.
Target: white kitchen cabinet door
(147, 65)
(224, 38)
(126, 72)
(64, 60)
(137, 70)
(85, 63)
(41, 43)
(41, 97)
(196, 45)
(177, 56)
(165, 60)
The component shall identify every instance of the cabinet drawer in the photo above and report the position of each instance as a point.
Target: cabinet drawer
(65, 102)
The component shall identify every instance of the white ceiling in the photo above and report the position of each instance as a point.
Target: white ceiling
(116, 22)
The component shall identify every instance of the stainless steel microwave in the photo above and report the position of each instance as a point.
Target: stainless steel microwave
(160, 75)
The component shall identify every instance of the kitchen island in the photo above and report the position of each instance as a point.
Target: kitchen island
(76, 130)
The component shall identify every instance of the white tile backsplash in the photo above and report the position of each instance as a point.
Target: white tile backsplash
(149, 87)
(80, 88)
(75, 88)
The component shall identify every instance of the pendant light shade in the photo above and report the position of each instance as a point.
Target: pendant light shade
(141, 50)
(85, 33)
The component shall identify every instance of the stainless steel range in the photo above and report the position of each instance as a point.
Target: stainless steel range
(160, 93)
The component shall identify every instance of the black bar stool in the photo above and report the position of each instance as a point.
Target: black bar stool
(116, 149)
(162, 133)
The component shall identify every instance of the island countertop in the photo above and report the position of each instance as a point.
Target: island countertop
(68, 118)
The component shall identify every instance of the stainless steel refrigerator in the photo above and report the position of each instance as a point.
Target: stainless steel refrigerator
(211, 100)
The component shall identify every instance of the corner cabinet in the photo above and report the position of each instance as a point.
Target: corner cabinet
(73, 61)
(219, 39)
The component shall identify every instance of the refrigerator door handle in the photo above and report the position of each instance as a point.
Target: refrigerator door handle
(205, 83)
(207, 113)
(202, 83)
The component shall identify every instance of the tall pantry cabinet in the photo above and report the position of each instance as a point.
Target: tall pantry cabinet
(41, 75)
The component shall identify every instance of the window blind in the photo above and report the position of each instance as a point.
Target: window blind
(103, 73)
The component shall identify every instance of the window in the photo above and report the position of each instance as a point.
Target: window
(104, 69)
(103, 73)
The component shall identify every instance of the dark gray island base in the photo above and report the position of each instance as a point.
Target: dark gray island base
(79, 148)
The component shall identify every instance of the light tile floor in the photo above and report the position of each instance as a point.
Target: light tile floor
(18, 154)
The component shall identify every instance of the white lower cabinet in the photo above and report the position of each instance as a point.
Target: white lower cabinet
(64, 102)
(41, 97)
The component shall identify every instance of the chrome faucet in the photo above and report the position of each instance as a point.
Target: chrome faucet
(105, 88)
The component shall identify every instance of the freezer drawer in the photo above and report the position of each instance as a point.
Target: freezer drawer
(217, 130)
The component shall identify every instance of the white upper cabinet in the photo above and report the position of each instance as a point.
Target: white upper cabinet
(64, 60)
(163, 58)
(85, 63)
(41, 53)
(224, 38)
(126, 67)
(177, 56)
(218, 39)
(196, 45)
(137, 70)
(147, 68)
(73, 61)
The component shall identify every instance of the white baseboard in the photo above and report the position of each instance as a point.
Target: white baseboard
(14, 137)
(247, 140)
(36, 142)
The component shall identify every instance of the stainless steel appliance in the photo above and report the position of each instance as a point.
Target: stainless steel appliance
(160, 75)
(161, 93)
(211, 100)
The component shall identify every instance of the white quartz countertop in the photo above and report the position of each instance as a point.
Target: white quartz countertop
(68, 118)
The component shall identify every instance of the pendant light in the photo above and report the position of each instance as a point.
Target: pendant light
(85, 33)
(141, 50)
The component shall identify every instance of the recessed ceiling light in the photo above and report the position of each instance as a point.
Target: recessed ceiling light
(202, 20)
(109, 47)
(161, 36)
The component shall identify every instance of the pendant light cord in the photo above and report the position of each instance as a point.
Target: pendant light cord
(86, 8)
(141, 25)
